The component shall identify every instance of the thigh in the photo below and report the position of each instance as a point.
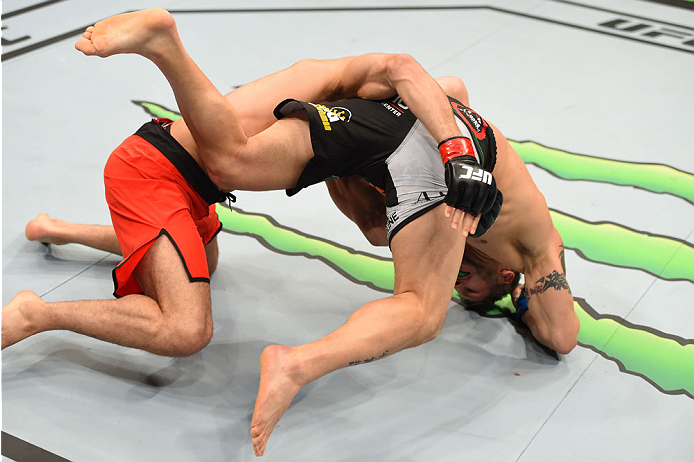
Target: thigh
(306, 80)
(164, 278)
(426, 254)
(276, 157)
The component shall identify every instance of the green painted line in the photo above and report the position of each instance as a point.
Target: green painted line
(612, 244)
(160, 112)
(665, 361)
(656, 178)
(362, 268)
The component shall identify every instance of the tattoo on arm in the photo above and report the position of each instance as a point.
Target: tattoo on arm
(368, 360)
(561, 258)
(554, 280)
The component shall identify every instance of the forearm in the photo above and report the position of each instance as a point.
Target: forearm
(550, 314)
(424, 96)
(380, 76)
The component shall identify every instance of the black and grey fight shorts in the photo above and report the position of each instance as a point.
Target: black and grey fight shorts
(384, 143)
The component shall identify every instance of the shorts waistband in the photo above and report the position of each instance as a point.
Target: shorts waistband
(154, 133)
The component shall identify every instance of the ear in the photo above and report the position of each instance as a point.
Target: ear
(507, 275)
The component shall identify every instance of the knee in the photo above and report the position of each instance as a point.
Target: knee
(189, 337)
(431, 323)
(226, 166)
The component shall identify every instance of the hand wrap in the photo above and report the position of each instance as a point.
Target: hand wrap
(470, 187)
(521, 306)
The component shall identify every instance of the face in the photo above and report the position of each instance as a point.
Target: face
(477, 276)
(471, 285)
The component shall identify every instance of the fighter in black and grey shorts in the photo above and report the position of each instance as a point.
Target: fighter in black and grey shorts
(384, 143)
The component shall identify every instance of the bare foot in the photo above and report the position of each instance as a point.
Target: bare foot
(143, 32)
(45, 229)
(278, 386)
(15, 324)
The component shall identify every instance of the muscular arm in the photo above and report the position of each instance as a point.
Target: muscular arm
(550, 315)
(370, 76)
(380, 76)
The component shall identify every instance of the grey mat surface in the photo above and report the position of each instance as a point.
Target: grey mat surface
(606, 82)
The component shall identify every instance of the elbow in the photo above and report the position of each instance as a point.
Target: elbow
(565, 345)
(401, 65)
(559, 334)
(565, 338)
(307, 65)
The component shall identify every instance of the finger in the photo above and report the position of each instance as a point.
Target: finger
(448, 211)
(458, 216)
(475, 223)
(467, 224)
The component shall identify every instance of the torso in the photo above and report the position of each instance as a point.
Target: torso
(522, 228)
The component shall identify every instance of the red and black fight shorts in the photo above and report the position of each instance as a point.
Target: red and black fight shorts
(155, 188)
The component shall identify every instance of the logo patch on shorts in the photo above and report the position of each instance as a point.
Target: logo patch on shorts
(391, 219)
(329, 115)
(428, 197)
(472, 119)
(396, 106)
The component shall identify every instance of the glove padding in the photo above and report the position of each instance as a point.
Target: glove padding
(470, 187)
(489, 217)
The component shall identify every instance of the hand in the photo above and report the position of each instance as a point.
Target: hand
(471, 189)
(520, 302)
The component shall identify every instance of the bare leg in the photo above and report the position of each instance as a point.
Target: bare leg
(152, 34)
(376, 330)
(173, 319)
(49, 230)
(218, 142)
(414, 315)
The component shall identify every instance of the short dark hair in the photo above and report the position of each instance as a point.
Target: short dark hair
(499, 291)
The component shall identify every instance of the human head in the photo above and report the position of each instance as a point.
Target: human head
(481, 279)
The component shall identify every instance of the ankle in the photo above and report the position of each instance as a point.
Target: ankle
(288, 361)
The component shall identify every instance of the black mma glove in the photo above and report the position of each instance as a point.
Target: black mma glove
(489, 217)
(470, 187)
